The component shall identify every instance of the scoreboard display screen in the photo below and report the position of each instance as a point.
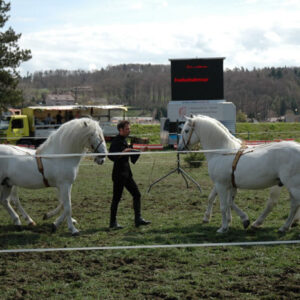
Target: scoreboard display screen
(197, 79)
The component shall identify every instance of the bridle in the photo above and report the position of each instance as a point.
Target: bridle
(99, 144)
(189, 137)
(97, 147)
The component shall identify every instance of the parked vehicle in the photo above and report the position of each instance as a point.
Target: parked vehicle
(35, 123)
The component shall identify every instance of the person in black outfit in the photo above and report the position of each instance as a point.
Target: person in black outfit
(122, 177)
(59, 118)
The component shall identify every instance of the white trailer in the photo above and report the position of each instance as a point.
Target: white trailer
(221, 110)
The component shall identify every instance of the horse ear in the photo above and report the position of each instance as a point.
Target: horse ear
(189, 120)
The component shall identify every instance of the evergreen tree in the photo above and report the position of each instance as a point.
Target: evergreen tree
(11, 57)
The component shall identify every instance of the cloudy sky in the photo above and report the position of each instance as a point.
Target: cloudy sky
(91, 34)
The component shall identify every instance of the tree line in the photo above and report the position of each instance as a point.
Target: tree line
(259, 93)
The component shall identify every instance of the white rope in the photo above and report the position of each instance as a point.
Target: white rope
(221, 151)
(203, 245)
(156, 134)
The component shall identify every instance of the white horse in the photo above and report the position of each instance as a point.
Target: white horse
(230, 168)
(20, 167)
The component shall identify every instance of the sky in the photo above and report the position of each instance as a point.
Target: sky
(92, 34)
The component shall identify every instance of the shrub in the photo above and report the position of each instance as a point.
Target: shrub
(195, 159)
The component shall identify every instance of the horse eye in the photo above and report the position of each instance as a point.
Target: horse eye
(186, 131)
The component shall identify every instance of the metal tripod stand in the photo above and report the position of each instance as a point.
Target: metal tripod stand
(179, 170)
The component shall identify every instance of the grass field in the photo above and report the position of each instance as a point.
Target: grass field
(257, 272)
(246, 131)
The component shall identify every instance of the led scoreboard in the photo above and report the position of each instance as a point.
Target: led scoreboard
(197, 88)
(197, 79)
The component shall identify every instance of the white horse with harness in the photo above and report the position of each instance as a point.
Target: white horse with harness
(232, 165)
(54, 164)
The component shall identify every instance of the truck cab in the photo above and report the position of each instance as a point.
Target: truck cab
(14, 128)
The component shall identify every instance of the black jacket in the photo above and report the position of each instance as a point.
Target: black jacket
(121, 169)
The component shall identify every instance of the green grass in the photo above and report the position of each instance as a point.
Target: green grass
(246, 131)
(148, 131)
(268, 131)
(258, 272)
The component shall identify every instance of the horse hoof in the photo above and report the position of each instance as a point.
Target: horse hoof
(53, 228)
(45, 217)
(18, 228)
(246, 224)
(222, 230)
(254, 227)
(32, 224)
(282, 231)
(75, 233)
(296, 223)
(206, 220)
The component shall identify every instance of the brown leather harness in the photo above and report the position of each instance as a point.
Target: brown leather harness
(235, 162)
(41, 169)
(39, 164)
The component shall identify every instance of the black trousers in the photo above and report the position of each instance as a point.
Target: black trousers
(118, 187)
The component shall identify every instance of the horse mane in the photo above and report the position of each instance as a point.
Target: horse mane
(220, 135)
(71, 137)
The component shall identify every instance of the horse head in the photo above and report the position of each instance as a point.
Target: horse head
(97, 142)
(188, 136)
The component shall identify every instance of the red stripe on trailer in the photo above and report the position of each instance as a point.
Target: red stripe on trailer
(259, 142)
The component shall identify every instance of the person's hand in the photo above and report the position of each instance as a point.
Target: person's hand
(127, 150)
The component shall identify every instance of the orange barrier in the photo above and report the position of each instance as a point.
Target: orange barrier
(259, 142)
(144, 147)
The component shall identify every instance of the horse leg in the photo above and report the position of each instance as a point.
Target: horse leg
(273, 199)
(225, 195)
(14, 198)
(295, 205)
(211, 199)
(55, 211)
(230, 202)
(65, 198)
(243, 216)
(5, 196)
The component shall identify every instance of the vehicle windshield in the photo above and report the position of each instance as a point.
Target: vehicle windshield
(4, 124)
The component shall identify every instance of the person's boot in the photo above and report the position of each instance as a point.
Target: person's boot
(113, 224)
(138, 220)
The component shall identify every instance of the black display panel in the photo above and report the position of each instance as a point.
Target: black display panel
(197, 79)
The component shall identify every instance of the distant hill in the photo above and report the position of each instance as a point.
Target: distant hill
(260, 93)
